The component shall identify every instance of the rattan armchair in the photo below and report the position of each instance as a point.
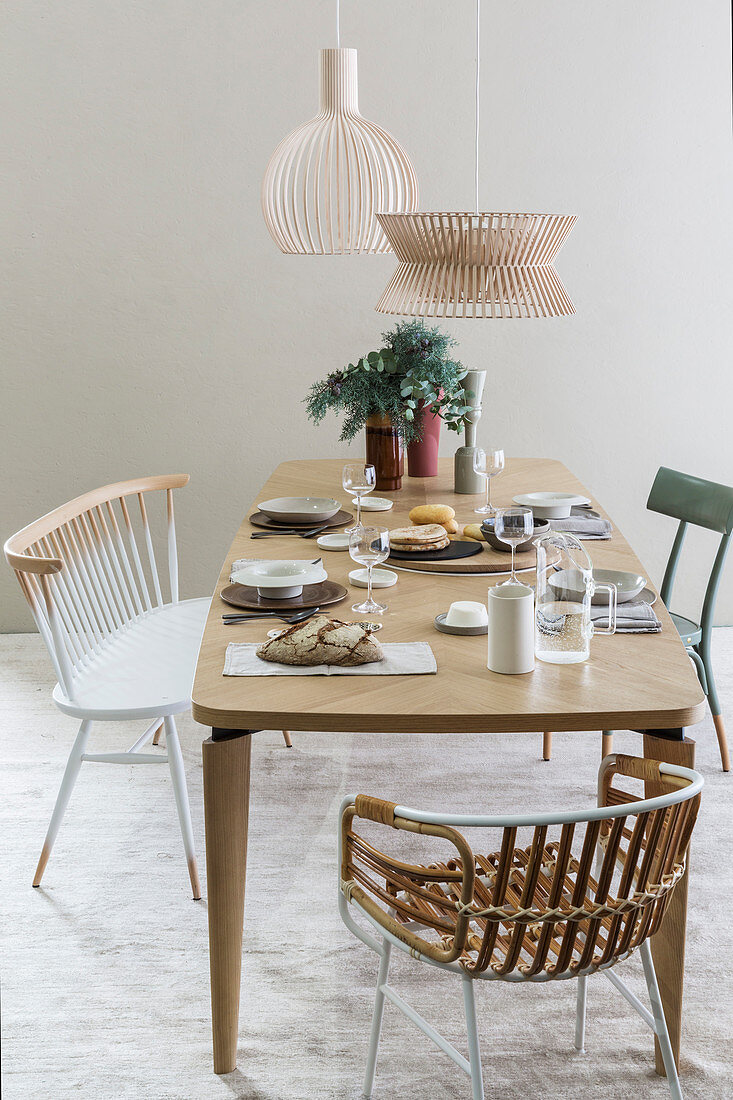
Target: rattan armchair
(561, 895)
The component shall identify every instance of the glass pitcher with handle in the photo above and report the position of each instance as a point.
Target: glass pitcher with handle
(565, 589)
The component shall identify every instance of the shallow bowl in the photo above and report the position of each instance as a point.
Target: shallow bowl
(541, 527)
(568, 584)
(552, 505)
(300, 509)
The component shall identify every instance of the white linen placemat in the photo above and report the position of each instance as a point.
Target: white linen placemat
(400, 659)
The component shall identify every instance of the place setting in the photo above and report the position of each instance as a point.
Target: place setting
(312, 643)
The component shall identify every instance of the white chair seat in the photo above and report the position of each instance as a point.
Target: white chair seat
(145, 670)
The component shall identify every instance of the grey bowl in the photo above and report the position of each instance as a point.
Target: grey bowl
(568, 584)
(541, 527)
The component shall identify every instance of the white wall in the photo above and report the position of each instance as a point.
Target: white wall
(150, 324)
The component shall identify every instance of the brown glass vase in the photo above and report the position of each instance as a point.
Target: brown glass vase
(384, 452)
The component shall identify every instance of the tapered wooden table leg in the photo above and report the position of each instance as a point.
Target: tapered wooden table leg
(226, 810)
(668, 946)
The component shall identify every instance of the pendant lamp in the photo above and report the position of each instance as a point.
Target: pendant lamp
(479, 264)
(328, 178)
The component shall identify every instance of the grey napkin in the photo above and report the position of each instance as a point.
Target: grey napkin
(633, 617)
(400, 659)
(584, 526)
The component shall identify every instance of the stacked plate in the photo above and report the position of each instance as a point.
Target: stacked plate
(300, 509)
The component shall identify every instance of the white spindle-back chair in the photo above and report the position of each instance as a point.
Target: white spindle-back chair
(122, 644)
(561, 895)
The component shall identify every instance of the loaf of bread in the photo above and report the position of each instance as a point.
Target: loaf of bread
(322, 641)
(473, 531)
(432, 513)
(451, 526)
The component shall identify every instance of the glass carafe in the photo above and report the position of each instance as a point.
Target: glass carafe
(565, 589)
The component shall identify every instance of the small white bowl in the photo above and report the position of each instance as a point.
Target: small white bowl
(337, 541)
(550, 505)
(467, 613)
(381, 578)
(300, 509)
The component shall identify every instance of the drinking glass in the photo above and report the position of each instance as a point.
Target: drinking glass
(369, 546)
(487, 464)
(358, 479)
(512, 526)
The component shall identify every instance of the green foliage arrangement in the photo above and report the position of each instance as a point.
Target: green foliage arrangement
(413, 366)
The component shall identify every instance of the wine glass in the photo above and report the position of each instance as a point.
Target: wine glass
(487, 464)
(512, 526)
(369, 546)
(358, 479)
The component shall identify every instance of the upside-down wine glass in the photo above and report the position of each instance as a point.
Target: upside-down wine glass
(369, 546)
(487, 464)
(512, 526)
(358, 479)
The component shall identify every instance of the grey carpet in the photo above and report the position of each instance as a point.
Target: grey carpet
(105, 969)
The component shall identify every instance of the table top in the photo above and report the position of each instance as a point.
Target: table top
(631, 681)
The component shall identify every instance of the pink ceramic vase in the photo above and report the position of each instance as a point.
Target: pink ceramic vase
(422, 456)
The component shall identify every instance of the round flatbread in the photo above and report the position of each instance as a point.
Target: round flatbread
(418, 535)
(420, 548)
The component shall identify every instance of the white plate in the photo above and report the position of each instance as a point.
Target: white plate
(550, 505)
(299, 509)
(374, 504)
(338, 541)
(381, 578)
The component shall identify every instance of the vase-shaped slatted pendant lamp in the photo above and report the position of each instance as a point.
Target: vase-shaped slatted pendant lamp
(479, 264)
(328, 178)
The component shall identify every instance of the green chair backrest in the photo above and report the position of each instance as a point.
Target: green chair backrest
(703, 504)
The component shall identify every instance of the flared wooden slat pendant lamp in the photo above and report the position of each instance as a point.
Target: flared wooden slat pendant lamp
(479, 264)
(328, 178)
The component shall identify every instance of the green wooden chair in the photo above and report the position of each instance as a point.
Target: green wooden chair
(703, 504)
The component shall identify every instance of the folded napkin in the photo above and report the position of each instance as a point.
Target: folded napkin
(584, 526)
(632, 617)
(244, 563)
(400, 659)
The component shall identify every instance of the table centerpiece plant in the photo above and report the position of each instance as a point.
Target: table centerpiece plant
(399, 394)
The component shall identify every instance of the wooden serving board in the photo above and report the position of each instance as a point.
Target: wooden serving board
(488, 561)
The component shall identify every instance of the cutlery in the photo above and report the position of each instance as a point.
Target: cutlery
(297, 617)
(291, 531)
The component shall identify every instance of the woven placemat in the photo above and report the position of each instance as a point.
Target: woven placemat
(489, 561)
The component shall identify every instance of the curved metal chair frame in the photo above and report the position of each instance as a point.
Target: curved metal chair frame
(559, 896)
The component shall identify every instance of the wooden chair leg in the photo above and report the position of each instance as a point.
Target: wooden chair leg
(288, 742)
(546, 746)
(722, 741)
(606, 743)
(156, 735)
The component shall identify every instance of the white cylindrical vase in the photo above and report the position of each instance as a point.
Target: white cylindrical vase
(511, 629)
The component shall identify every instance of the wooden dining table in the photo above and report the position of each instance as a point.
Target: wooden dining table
(642, 682)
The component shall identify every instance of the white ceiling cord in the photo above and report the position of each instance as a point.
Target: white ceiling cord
(338, 24)
(478, 84)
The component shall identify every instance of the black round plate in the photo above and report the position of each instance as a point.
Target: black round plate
(448, 553)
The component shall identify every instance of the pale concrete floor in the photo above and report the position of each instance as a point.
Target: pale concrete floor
(105, 969)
